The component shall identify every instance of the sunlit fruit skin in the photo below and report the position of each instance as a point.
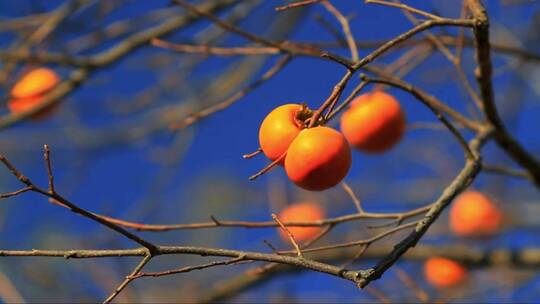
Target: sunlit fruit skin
(374, 123)
(278, 130)
(301, 212)
(36, 82)
(29, 92)
(442, 272)
(474, 214)
(318, 158)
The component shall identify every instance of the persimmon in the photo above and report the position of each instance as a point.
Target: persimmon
(28, 92)
(443, 272)
(36, 82)
(280, 127)
(374, 122)
(301, 212)
(474, 214)
(25, 104)
(318, 158)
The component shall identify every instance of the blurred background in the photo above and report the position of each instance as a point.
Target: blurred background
(115, 150)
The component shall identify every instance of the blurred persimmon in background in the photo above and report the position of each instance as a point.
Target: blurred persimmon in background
(474, 214)
(442, 272)
(29, 90)
(301, 212)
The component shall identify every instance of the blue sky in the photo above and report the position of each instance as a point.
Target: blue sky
(210, 177)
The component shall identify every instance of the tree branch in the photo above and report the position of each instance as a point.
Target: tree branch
(483, 75)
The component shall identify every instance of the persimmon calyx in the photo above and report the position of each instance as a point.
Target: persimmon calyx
(302, 116)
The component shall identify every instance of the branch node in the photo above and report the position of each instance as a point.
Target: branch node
(214, 219)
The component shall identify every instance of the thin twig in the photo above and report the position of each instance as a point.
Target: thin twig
(488, 168)
(196, 117)
(435, 110)
(361, 251)
(188, 268)
(420, 294)
(353, 196)
(296, 4)
(405, 7)
(16, 192)
(212, 50)
(47, 159)
(74, 208)
(252, 154)
(289, 234)
(128, 278)
(269, 166)
(346, 29)
(87, 65)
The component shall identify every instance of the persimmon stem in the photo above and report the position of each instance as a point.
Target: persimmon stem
(252, 154)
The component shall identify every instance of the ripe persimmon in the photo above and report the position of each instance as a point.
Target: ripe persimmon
(374, 122)
(28, 92)
(36, 82)
(443, 272)
(318, 158)
(280, 127)
(25, 104)
(474, 214)
(301, 212)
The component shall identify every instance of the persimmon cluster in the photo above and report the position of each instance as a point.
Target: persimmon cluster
(28, 92)
(319, 157)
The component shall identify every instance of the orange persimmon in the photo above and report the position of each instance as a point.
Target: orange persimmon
(318, 158)
(374, 122)
(279, 128)
(443, 272)
(28, 92)
(36, 82)
(474, 214)
(25, 104)
(301, 212)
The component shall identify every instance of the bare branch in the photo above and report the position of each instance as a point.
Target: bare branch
(15, 193)
(189, 268)
(195, 117)
(129, 278)
(107, 57)
(405, 7)
(252, 154)
(460, 183)
(47, 159)
(435, 111)
(488, 168)
(269, 166)
(74, 208)
(346, 28)
(212, 50)
(353, 196)
(483, 75)
(297, 4)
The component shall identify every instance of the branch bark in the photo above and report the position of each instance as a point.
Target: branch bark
(484, 77)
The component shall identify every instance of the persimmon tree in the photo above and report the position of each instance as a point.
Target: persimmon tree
(199, 60)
